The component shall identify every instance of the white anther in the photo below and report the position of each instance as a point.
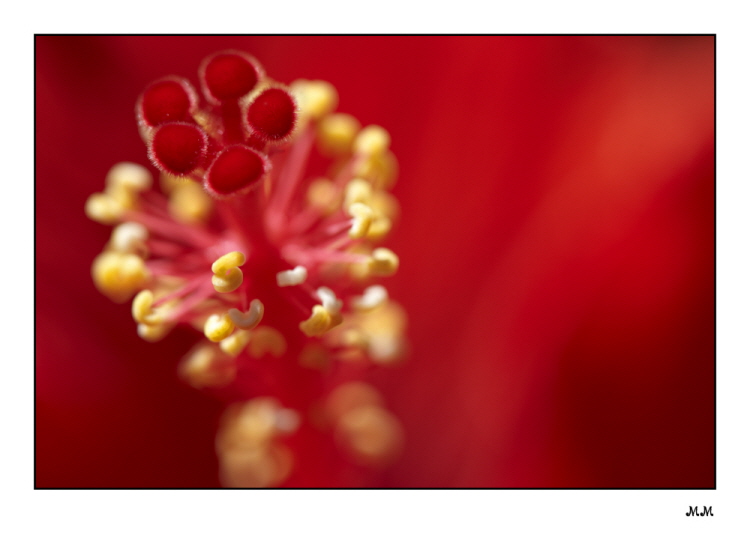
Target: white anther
(249, 319)
(372, 297)
(295, 276)
(329, 300)
(129, 237)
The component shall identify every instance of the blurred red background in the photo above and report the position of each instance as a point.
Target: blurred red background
(556, 244)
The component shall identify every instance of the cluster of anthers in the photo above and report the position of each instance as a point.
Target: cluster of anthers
(266, 239)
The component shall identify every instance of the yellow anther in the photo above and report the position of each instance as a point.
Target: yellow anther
(362, 218)
(129, 237)
(152, 333)
(119, 275)
(123, 183)
(233, 345)
(385, 207)
(143, 311)
(103, 208)
(383, 262)
(381, 170)
(227, 276)
(217, 327)
(357, 191)
(227, 262)
(372, 140)
(129, 177)
(379, 228)
(336, 133)
(295, 276)
(189, 203)
(384, 203)
(316, 98)
(320, 322)
(249, 319)
(265, 340)
(206, 367)
(323, 195)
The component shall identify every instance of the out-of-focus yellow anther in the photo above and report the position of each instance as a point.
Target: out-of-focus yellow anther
(370, 434)
(233, 345)
(254, 424)
(168, 182)
(352, 337)
(315, 98)
(336, 133)
(189, 203)
(353, 344)
(142, 309)
(357, 191)
(383, 262)
(206, 367)
(349, 396)
(379, 228)
(266, 340)
(152, 333)
(103, 208)
(362, 216)
(385, 327)
(385, 208)
(320, 322)
(218, 326)
(227, 275)
(119, 275)
(255, 468)
(372, 140)
(381, 170)
(249, 453)
(129, 177)
(323, 195)
(384, 203)
(123, 183)
(249, 319)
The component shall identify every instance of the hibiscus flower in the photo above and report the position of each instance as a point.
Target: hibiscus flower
(556, 244)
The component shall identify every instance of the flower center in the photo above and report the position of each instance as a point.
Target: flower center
(272, 263)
